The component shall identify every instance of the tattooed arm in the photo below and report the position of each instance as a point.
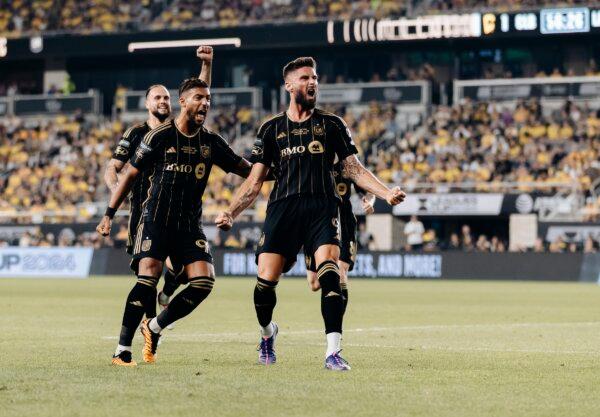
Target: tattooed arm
(354, 170)
(111, 177)
(244, 196)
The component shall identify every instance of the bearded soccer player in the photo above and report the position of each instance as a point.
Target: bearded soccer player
(158, 104)
(300, 146)
(348, 226)
(178, 156)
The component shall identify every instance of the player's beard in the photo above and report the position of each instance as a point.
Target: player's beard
(191, 115)
(305, 102)
(161, 116)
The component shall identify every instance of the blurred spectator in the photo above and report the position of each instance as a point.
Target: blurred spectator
(414, 234)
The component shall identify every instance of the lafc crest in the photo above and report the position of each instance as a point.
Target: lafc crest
(205, 151)
(318, 130)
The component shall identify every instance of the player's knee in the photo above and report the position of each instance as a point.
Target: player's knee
(150, 267)
(327, 253)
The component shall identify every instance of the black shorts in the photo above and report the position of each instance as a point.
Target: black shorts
(348, 246)
(299, 221)
(157, 241)
(135, 214)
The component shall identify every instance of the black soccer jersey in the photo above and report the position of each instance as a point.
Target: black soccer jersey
(179, 166)
(302, 154)
(124, 151)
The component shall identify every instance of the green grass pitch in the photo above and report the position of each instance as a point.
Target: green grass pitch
(417, 348)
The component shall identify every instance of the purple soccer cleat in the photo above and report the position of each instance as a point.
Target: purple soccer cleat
(335, 362)
(266, 348)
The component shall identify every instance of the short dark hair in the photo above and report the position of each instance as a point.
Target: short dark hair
(303, 61)
(190, 83)
(154, 86)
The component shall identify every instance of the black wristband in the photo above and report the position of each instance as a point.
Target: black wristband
(110, 212)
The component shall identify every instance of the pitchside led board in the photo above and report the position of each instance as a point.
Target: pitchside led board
(16, 262)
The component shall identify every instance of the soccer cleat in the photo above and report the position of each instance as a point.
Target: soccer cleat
(150, 343)
(163, 302)
(123, 359)
(335, 362)
(266, 348)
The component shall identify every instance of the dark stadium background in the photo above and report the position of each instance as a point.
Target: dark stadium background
(71, 82)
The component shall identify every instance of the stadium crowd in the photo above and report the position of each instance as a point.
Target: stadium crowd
(27, 17)
(58, 164)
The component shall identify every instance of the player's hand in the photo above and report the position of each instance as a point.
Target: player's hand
(395, 196)
(224, 220)
(104, 226)
(205, 53)
(367, 205)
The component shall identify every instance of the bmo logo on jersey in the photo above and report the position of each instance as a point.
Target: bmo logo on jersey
(315, 147)
(188, 169)
(199, 170)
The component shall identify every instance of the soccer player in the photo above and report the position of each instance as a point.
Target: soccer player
(300, 145)
(178, 156)
(348, 226)
(158, 104)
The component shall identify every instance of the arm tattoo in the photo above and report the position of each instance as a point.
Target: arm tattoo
(244, 198)
(351, 168)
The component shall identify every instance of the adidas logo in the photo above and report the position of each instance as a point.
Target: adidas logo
(332, 294)
(281, 135)
(136, 303)
(171, 150)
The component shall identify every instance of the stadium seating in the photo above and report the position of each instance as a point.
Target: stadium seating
(24, 17)
(57, 166)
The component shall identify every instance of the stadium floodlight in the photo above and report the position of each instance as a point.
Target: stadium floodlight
(136, 46)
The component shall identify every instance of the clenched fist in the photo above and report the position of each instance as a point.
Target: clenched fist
(205, 53)
(395, 196)
(224, 221)
(104, 226)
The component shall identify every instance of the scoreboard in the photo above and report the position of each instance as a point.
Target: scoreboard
(557, 21)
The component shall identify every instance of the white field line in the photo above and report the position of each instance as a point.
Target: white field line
(488, 326)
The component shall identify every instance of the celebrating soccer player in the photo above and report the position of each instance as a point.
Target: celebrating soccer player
(179, 156)
(301, 146)
(158, 104)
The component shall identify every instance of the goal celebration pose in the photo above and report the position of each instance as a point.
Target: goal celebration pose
(158, 104)
(179, 156)
(300, 146)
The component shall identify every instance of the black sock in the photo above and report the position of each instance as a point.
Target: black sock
(186, 301)
(171, 282)
(265, 299)
(344, 287)
(332, 304)
(150, 306)
(142, 295)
